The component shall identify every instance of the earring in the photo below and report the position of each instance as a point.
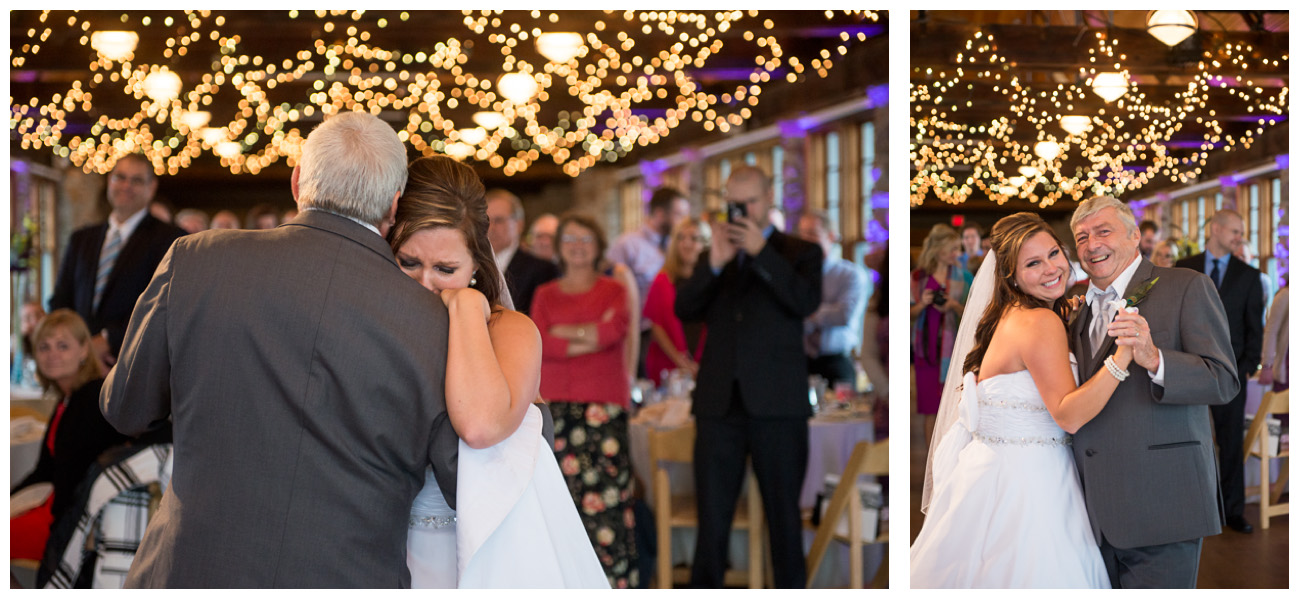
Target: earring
(473, 281)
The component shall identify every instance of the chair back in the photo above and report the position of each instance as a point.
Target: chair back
(1256, 444)
(867, 459)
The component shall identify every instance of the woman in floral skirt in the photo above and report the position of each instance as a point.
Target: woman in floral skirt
(583, 318)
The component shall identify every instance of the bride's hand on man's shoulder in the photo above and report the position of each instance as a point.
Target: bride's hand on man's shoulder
(1073, 304)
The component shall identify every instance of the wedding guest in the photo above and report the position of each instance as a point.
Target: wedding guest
(583, 319)
(263, 216)
(643, 250)
(31, 316)
(225, 220)
(1150, 233)
(753, 288)
(972, 238)
(674, 344)
(524, 272)
(161, 210)
(1276, 353)
(76, 433)
(939, 287)
(541, 236)
(192, 220)
(1165, 254)
(107, 265)
(833, 333)
(1243, 300)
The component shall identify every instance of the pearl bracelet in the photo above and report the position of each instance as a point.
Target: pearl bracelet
(1114, 369)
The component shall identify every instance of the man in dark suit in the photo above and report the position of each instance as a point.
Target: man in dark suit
(1242, 295)
(753, 288)
(304, 374)
(106, 266)
(1145, 460)
(523, 271)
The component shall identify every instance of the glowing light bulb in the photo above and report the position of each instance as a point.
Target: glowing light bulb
(459, 150)
(489, 119)
(473, 136)
(559, 46)
(114, 45)
(1171, 26)
(1110, 86)
(517, 87)
(162, 85)
(196, 120)
(1047, 150)
(1076, 124)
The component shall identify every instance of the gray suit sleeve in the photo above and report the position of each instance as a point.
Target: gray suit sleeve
(1202, 370)
(136, 396)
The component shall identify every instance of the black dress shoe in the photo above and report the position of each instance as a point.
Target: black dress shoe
(1240, 525)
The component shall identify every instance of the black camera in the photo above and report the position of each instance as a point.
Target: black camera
(736, 211)
(940, 298)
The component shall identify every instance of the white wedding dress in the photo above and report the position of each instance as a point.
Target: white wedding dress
(516, 527)
(1006, 509)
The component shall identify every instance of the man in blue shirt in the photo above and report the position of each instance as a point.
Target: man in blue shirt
(833, 332)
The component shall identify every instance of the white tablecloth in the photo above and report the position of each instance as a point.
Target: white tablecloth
(25, 435)
(831, 438)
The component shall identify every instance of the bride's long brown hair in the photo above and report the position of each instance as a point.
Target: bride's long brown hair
(1007, 237)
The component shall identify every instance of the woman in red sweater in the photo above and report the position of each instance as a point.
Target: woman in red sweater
(583, 319)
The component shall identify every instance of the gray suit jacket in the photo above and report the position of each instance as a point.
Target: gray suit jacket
(1146, 461)
(304, 374)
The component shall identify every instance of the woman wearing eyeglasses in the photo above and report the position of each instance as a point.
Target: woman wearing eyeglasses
(583, 319)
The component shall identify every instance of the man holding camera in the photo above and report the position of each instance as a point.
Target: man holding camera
(753, 288)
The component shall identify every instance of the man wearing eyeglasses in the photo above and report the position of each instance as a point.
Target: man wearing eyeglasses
(523, 271)
(108, 265)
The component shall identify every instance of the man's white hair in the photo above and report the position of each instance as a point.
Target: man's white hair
(1092, 206)
(351, 165)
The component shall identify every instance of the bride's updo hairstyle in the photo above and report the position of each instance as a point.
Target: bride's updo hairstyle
(441, 192)
(1007, 237)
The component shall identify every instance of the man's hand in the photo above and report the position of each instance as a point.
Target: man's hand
(721, 251)
(1131, 329)
(746, 235)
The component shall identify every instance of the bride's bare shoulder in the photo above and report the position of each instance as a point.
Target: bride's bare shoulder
(1041, 320)
(513, 324)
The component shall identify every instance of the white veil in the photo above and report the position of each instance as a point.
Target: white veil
(977, 301)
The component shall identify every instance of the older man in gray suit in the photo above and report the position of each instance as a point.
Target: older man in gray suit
(303, 372)
(1146, 462)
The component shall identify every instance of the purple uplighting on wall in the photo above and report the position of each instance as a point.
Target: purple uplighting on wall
(876, 232)
(1284, 161)
(880, 200)
(878, 95)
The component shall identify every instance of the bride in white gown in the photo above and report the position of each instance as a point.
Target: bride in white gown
(1002, 499)
(515, 524)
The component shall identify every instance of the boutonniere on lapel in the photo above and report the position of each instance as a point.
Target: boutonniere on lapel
(1130, 303)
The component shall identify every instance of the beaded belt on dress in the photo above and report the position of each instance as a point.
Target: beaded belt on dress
(993, 440)
(431, 521)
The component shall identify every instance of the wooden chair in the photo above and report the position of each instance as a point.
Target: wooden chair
(20, 410)
(867, 459)
(1274, 403)
(678, 446)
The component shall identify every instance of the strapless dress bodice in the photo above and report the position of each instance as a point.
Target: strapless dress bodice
(1011, 412)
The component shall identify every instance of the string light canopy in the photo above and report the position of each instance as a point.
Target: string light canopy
(505, 88)
(1048, 140)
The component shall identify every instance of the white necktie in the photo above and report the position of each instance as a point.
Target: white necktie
(106, 260)
(1101, 319)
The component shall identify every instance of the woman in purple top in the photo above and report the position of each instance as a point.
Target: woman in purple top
(939, 287)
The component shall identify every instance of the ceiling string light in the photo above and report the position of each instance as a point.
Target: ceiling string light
(577, 106)
(1121, 147)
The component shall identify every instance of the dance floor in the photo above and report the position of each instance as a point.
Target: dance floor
(1228, 560)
